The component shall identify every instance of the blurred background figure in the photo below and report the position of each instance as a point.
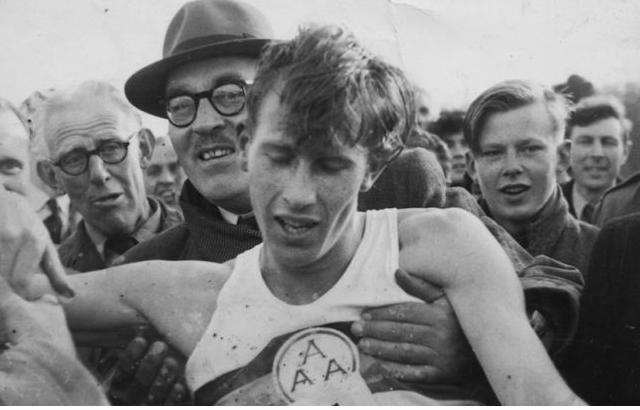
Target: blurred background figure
(599, 133)
(420, 138)
(14, 152)
(575, 88)
(449, 128)
(426, 111)
(164, 177)
(53, 206)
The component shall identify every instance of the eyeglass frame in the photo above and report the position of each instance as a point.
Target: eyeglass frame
(96, 152)
(208, 94)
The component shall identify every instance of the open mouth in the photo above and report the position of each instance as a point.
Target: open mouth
(215, 153)
(106, 200)
(295, 226)
(167, 195)
(515, 189)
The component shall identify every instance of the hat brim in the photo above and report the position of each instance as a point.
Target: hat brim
(145, 88)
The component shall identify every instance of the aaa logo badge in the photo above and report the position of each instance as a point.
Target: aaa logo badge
(320, 366)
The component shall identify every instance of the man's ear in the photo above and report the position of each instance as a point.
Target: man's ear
(47, 173)
(147, 145)
(626, 150)
(372, 174)
(564, 156)
(471, 166)
(244, 142)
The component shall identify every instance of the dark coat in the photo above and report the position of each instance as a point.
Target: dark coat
(203, 235)
(622, 199)
(558, 235)
(603, 364)
(80, 254)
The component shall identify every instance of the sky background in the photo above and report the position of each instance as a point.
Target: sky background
(452, 48)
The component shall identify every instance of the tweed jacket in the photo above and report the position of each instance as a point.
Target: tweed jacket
(80, 254)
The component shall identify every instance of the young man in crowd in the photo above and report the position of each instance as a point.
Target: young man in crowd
(515, 133)
(211, 49)
(318, 134)
(600, 144)
(449, 128)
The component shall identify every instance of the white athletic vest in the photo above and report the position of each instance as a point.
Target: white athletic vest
(248, 315)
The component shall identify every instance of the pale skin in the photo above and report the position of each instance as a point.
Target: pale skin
(178, 299)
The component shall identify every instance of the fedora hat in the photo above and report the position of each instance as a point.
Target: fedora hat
(200, 29)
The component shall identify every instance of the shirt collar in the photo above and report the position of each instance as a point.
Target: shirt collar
(149, 228)
(579, 202)
(231, 218)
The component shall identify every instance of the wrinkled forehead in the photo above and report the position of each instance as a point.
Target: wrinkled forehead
(88, 118)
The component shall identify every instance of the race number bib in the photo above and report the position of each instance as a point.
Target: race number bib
(320, 366)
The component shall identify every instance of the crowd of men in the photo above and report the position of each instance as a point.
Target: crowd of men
(486, 256)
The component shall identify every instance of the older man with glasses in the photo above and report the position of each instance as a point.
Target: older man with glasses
(94, 149)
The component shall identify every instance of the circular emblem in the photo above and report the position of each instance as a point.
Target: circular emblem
(318, 366)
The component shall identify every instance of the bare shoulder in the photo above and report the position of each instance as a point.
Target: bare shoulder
(420, 224)
(445, 245)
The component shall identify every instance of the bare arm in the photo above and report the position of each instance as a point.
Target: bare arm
(177, 298)
(481, 284)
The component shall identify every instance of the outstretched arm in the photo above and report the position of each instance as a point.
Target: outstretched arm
(452, 249)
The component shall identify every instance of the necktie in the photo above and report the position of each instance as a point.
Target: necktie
(587, 213)
(117, 246)
(248, 221)
(53, 222)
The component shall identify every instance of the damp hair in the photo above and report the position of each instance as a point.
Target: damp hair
(333, 89)
(590, 110)
(511, 95)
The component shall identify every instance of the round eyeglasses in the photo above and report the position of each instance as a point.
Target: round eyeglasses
(112, 151)
(227, 99)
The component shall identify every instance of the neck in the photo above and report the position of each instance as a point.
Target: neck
(299, 285)
(239, 204)
(519, 227)
(591, 195)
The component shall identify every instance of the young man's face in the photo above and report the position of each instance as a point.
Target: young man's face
(516, 163)
(164, 175)
(111, 197)
(458, 148)
(598, 151)
(14, 154)
(207, 148)
(304, 196)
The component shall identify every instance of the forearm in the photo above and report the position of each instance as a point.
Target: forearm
(512, 356)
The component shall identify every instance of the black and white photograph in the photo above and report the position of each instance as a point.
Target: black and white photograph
(318, 203)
